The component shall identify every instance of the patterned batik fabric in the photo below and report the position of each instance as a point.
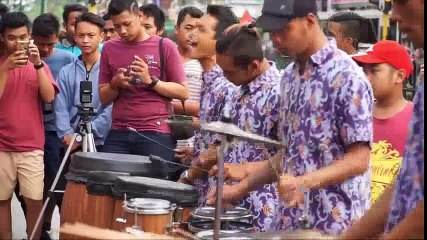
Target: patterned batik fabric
(410, 182)
(255, 109)
(215, 94)
(325, 110)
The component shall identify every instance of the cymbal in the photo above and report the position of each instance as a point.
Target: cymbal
(232, 130)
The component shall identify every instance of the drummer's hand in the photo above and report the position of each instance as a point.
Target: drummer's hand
(232, 172)
(291, 191)
(208, 158)
(230, 195)
(184, 155)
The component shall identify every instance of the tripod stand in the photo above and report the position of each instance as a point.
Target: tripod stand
(85, 136)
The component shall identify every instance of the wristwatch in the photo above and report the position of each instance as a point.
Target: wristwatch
(185, 176)
(39, 66)
(154, 82)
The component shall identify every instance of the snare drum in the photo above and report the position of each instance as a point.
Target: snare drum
(149, 215)
(100, 203)
(299, 234)
(235, 219)
(75, 199)
(185, 197)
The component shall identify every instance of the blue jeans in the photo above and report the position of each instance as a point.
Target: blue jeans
(126, 142)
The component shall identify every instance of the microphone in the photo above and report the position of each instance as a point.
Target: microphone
(157, 159)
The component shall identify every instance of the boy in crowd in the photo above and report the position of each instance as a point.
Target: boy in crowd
(131, 77)
(109, 31)
(387, 66)
(25, 82)
(153, 19)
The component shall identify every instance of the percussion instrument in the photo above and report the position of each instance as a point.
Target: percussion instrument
(237, 219)
(230, 131)
(100, 202)
(149, 215)
(75, 197)
(299, 234)
(185, 197)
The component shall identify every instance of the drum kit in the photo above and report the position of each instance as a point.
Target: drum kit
(128, 193)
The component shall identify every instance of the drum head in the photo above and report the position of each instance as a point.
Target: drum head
(148, 206)
(208, 213)
(101, 183)
(85, 162)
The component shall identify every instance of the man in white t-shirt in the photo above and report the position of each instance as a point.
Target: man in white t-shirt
(187, 22)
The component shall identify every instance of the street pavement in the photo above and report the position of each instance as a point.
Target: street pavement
(18, 221)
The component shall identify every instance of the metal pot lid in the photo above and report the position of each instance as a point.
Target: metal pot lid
(148, 204)
(223, 235)
(208, 213)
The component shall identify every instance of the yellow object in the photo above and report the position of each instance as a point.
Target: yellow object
(92, 8)
(385, 168)
(385, 26)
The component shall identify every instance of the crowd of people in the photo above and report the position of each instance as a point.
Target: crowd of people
(334, 107)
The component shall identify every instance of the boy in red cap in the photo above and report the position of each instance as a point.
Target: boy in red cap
(387, 66)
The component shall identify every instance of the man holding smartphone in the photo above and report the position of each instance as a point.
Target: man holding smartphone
(24, 83)
(137, 59)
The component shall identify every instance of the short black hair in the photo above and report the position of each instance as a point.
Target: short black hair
(14, 20)
(106, 17)
(351, 25)
(3, 9)
(152, 10)
(191, 11)
(243, 43)
(73, 8)
(225, 17)
(116, 7)
(92, 19)
(46, 25)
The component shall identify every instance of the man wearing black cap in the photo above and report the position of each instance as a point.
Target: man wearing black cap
(327, 126)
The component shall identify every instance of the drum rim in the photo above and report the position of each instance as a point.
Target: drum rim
(163, 206)
(197, 230)
(226, 218)
(208, 233)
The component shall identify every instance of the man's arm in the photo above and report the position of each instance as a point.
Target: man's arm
(191, 108)
(355, 162)
(172, 90)
(372, 225)
(101, 124)
(46, 88)
(62, 106)
(411, 227)
(4, 70)
(107, 95)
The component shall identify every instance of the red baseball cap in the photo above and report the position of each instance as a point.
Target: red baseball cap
(389, 52)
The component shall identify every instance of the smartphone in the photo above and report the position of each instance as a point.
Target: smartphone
(24, 46)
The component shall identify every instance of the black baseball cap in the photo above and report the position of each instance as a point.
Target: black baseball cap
(276, 14)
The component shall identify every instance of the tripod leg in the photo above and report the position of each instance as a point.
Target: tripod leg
(55, 182)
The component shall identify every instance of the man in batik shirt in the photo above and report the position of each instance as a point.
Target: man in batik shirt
(216, 91)
(399, 212)
(255, 109)
(327, 125)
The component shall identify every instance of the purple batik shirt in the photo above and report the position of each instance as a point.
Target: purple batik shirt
(255, 109)
(410, 182)
(326, 110)
(216, 92)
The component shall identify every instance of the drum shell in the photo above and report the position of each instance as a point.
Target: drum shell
(100, 204)
(155, 220)
(238, 227)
